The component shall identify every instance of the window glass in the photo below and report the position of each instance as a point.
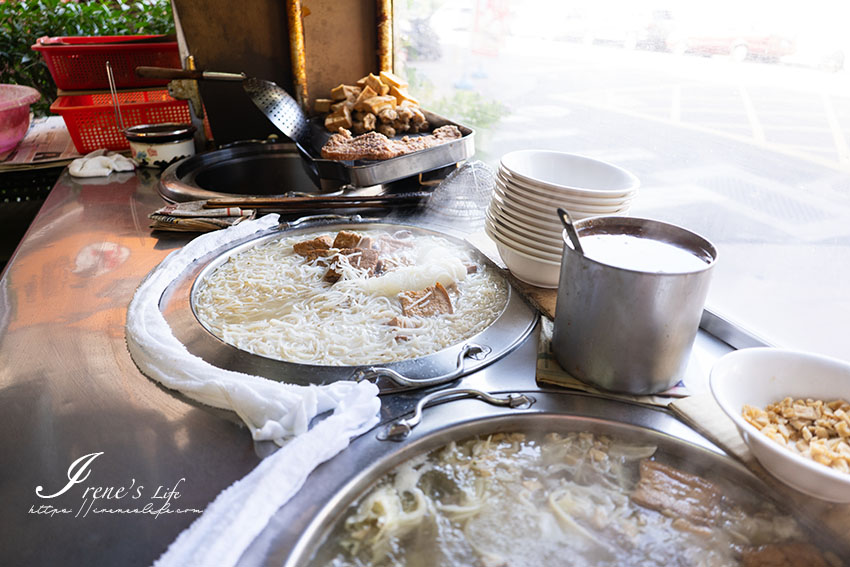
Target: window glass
(734, 115)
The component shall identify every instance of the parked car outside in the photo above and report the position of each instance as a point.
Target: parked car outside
(739, 43)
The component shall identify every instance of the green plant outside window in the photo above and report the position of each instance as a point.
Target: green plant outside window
(23, 22)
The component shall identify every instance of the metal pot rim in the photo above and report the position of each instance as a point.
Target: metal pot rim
(645, 228)
(160, 133)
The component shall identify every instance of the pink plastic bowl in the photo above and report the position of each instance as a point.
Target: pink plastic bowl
(15, 101)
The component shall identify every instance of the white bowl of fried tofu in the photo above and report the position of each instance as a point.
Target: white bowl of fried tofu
(793, 410)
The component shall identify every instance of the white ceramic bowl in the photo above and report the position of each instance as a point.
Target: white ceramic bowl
(545, 220)
(550, 237)
(576, 196)
(524, 216)
(532, 270)
(514, 243)
(537, 246)
(510, 191)
(569, 171)
(760, 376)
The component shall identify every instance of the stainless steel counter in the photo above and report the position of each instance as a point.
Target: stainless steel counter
(91, 448)
(69, 389)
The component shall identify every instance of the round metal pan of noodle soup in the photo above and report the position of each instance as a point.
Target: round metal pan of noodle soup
(261, 307)
(559, 483)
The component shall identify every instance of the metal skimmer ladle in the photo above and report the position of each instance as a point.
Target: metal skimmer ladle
(273, 101)
(567, 221)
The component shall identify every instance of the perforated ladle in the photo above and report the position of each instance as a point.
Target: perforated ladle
(567, 221)
(273, 101)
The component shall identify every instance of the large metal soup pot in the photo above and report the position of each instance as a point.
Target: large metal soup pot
(303, 531)
(510, 328)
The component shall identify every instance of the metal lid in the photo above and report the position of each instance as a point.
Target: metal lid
(159, 133)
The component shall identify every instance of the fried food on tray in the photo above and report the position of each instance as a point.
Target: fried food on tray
(375, 103)
(377, 146)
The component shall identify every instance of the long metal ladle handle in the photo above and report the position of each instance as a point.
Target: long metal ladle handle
(196, 74)
(567, 221)
(469, 350)
(399, 430)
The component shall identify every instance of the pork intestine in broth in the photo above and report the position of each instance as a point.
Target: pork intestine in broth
(511, 500)
(270, 301)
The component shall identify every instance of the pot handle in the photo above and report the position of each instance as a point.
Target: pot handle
(469, 350)
(400, 430)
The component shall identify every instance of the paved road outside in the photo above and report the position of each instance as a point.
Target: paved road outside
(754, 156)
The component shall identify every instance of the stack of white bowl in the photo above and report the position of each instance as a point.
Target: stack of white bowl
(531, 185)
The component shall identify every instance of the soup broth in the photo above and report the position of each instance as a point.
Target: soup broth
(641, 254)
(576, 499)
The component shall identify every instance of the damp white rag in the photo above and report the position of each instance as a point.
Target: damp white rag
(100, 163)
(273, 411)
(239, 513)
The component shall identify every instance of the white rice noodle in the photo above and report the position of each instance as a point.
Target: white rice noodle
(433, 264)
(270, 301)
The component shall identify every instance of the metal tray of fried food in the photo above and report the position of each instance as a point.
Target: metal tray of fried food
(366, 173)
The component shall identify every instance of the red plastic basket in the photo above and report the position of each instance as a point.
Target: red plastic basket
(91, 118)
(79, 63)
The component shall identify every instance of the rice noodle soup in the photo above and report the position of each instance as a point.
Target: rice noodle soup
(577, 499)
(311, 299)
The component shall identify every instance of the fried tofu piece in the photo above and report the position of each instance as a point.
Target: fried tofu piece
(361, 258)
(401, 95)
(309, 246)
(677, 494)
(340, 118)
(378, 103)
(345, 92)
(433, 300)
(377, 85)
(367, 93)
(791, 554)
(393, 80)
(322, 105)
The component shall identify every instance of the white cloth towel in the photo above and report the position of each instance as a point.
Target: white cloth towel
(228, 526)
(100, 163)
(272, 411)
